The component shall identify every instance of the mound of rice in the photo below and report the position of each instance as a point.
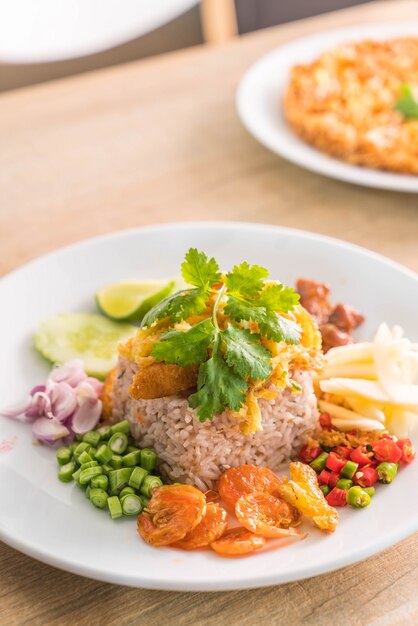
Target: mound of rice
(197, 453)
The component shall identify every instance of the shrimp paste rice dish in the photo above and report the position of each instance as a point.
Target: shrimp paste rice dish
(173, 408)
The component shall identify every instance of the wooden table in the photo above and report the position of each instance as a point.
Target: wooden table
(159, 140)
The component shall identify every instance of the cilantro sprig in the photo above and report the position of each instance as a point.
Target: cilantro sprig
(407, 102)
(229, 356)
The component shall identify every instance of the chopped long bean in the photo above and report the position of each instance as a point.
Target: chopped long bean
(137, 477)
(318, 464)
(118, 479)
(130, 449)
(100, 482)
(115, 507)
(104, 432)
(99, 497)
(92, 438)
(131, 504)
(106, 469)
(121, 427)
(82, 447)
(65, 472)
(103, 454)
(149, 484)
(148, 459)
(89, 473)
(84, 457)
(64, 455)
(116, 461)
(132, 459)
(118, 442)
(126, 491)
(88, 464)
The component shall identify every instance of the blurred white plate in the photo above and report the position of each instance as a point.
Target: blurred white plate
(260, 94)
(53, 522)
(52, 30)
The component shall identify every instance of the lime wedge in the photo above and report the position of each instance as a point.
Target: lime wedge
(90, 337)
(130, 300)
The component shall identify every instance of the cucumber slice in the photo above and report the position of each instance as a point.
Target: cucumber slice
(90, 337)
(130, 300)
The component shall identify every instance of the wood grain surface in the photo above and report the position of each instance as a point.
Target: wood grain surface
(157, 141)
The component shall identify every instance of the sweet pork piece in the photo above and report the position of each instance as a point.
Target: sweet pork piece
(336, 323)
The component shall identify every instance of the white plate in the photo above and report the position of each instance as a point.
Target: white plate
(54, 522)
(260, 94)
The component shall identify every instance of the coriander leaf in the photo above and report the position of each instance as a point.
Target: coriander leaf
(279, 328)
(277, 297)
(200, 271)
(407, 102)
(185, 348)
(190, 302)
(178, 306)
(245, 354)
(240, 309)
(245, 279)
(160, 310)
(218, 387)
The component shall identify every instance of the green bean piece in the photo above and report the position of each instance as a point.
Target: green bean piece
(118, 443)
(325, 489)
(149, 484)
(344, 483)
(106, 469)
(115, 507)
(100, 482)
(87, 492)
(319, 463)
(121, 427)
(89, 473)
(386, 472)
(79, 437)
(130, 449)
(145, 500)
(64, 455)
(98, 497)
(137, 477)
(349, 469)
(103, 454)
(148, 459)
(82, 447)
(126, 491)
(357, 497)
(76, 474)
(84, 457)
(132, 459)
(73, 446)
(65, 472)
(118, 479)
(370, 491)
(92, 438)
(116, 461)
(131, 504)
(88, 464)
(104, 432)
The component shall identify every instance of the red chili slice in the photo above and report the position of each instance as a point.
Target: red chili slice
(325, 421)
(408, 450)
(365, 477)
(337, 497)
(333, 479)
(308, 454)
(343, 451)
(386, 450)
(334, 462)
(323, 477)
(360, 456)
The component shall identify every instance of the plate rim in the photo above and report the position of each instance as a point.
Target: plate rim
(168, 584)
(345, 172)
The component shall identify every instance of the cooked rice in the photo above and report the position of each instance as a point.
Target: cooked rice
(197, 453)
